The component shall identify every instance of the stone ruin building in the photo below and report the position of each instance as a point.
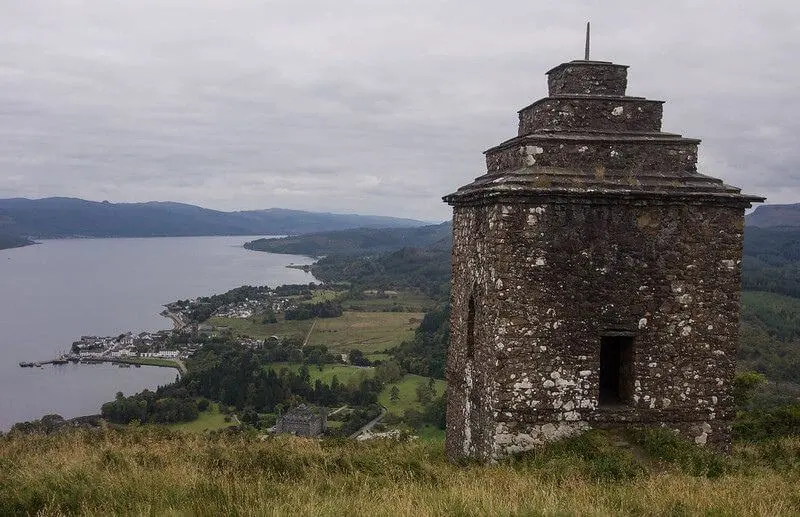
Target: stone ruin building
(596, 277)
(303, 420)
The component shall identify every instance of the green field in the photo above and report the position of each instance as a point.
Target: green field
(209, 420)
(366, 331)
(149, 361)
(344, 373)
(402, 301)
(323, 295)
(408, 394)
(254, 328)
(431, 433)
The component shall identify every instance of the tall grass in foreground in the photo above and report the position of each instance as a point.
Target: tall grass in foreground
(153, 471)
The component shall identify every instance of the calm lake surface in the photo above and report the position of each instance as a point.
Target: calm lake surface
(56, 291)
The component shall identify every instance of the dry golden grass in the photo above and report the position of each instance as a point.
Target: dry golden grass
(157, 472)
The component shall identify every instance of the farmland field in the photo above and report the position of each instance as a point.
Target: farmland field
(209, 420)
(254, 328)
(407, 395)
(401, 302)
(366, 331)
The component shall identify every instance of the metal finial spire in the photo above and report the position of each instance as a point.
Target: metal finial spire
(586, 53)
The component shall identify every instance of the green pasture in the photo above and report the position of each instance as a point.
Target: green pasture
(254, 328)
(430, 433)
(403, 301)
(407, 395)
(323, 295)
(366, 331)
(343, 372)
(209, 420)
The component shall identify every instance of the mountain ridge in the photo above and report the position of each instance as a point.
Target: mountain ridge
(59, 217)
(775, 216)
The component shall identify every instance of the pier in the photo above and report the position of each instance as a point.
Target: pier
(127, 361)
(37, 364)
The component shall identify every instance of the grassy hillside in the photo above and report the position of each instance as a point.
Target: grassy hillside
(777, 314)
(407, 394)
(157, 472)
(769, 342)
(209, 420)
(771, 260)
(358, 241)
(426, 270)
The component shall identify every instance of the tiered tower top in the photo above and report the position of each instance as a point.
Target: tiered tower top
(589, 139)
(581, 77)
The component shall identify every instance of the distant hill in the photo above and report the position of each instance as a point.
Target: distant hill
(771, 260)
(69, 217)
(775, 216)
(361, 241)
(387, 258)
(13, 241)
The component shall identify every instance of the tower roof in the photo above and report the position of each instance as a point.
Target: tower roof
(589, 139)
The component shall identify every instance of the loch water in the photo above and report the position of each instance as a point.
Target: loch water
(53, 292)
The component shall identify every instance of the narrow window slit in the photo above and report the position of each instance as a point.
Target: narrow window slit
(471, 327)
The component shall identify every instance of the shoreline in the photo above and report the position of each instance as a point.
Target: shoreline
(305, 268)
(38, 382)
(177, 320)
(162, 362)
(148, 361)
(20, 245)
(138, 361)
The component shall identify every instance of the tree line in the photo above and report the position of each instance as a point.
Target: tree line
(305, 311)
(243, 377)
(167, 405)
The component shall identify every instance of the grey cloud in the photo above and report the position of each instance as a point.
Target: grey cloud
(362, 106)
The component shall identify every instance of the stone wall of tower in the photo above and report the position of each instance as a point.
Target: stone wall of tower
(588, 78)
(470, 407)
(549, 276)
(674, 158)
(592, 258)
(579, 113)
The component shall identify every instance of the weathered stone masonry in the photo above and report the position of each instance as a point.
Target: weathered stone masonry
(595, 277)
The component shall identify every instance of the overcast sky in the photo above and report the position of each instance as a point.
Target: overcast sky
(364, 106)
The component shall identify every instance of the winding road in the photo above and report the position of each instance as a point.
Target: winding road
(371, 424)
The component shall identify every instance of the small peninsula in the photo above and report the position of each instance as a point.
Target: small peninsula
(13, 241)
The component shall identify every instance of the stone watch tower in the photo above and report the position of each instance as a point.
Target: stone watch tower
(596, 277)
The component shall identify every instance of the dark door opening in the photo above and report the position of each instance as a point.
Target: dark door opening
(616, 370)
